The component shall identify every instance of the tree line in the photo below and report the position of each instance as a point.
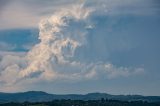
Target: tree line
(102, 102)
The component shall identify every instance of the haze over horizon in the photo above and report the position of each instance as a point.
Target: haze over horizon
(79, 47)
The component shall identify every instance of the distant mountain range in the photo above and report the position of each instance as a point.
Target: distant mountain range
(39, 96)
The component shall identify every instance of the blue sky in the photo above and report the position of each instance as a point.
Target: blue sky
(73, 46)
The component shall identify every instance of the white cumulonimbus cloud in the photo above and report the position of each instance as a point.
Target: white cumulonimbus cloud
(52, 59)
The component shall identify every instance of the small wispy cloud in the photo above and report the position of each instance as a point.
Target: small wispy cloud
(6, 46)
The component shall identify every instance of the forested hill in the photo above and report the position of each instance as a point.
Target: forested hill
(39, 96)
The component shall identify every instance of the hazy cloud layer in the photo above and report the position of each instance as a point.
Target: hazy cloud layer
(3, 3)
(27, 13)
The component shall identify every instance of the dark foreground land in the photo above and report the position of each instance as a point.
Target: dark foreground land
(101, 102)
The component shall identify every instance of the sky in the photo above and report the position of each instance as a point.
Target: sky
(80, 46)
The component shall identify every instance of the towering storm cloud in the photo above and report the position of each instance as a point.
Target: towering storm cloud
(58, 41)
(53, 58)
